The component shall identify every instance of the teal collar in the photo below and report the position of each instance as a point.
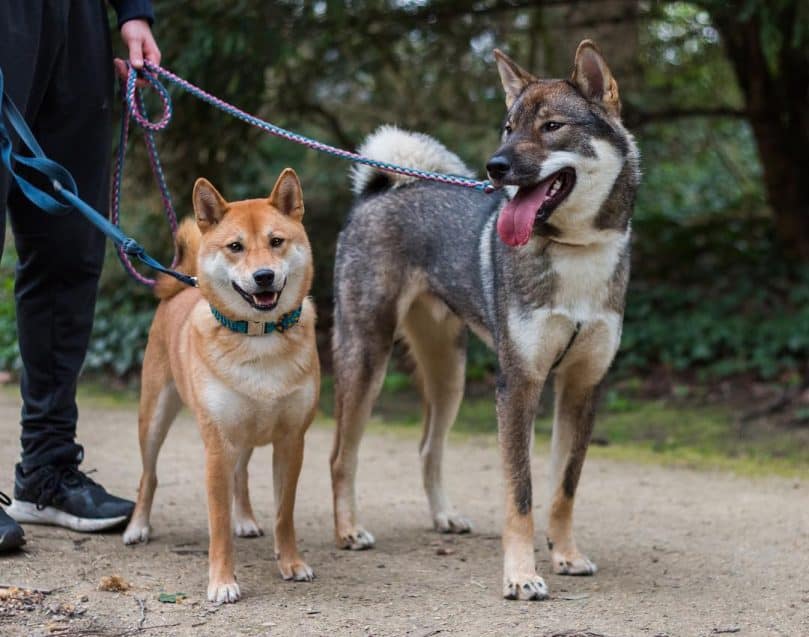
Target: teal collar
(257, 328)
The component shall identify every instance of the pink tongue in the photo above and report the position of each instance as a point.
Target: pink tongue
(516, 220)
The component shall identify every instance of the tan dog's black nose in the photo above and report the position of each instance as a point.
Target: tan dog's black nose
(264, 277)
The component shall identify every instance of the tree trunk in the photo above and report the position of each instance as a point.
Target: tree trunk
(778, 110)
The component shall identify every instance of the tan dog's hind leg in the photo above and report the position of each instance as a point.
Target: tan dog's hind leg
(356, 388)
(220, 463)
(244, 521)
(572, 427)
(287, 458)
(159, 404)
(517, 398)
(438, 345)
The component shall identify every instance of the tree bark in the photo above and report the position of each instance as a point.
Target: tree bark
(778, 111)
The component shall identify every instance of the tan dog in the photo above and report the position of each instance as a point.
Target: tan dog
(240, 353)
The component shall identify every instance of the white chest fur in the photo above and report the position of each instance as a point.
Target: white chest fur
(579, 302)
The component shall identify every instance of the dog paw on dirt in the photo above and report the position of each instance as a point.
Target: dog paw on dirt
(137, 533)
(295, 570)
(452, 523)
(572, 563)
(357, 539)
(224, 592)
(247, 528)
(529, 587)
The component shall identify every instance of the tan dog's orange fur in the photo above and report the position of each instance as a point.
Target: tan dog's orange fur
(244, 391)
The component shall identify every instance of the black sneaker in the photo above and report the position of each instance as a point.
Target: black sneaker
(11, 534)
(64, 496)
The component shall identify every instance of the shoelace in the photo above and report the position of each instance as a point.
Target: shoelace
(68, 475)
(4, 499)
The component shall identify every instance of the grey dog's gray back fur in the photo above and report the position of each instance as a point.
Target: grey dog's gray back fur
(421, 228)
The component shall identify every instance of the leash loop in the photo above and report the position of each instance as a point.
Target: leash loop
(134, 99)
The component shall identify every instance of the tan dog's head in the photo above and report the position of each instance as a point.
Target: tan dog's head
(254, 260)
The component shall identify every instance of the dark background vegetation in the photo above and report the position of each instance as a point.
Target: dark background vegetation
(717, 94)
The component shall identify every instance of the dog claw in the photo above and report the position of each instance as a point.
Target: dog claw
(529, 588)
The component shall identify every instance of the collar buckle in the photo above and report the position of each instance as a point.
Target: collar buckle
(255, 328)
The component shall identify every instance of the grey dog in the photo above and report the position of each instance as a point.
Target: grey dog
(540, 276)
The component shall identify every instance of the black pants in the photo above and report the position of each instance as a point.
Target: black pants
(57, 62)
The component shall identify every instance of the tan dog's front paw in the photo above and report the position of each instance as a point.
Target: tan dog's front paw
(247, 527)
(356, 539)
(223, 592)
(296, 570)
(572, 563)
(452, 523)
(529, 587)
(136, 533)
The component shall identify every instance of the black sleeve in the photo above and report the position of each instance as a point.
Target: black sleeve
(132, 10)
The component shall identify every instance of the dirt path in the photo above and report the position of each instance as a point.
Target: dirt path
(680, 553)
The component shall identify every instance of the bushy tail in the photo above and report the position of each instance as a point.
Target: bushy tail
(187, 241)
(403, 148)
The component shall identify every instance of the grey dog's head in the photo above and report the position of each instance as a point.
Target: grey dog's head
(563, 143)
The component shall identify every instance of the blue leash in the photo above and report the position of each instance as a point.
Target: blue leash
(64, 186)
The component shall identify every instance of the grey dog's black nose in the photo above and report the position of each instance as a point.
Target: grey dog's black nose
(264, 278)
(498, 166)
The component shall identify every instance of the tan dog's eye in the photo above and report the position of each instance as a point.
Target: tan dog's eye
(235, 247)
(276, 242)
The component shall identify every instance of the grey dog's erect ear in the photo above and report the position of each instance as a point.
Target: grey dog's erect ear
(594, 79)
(287, 195)
(512, 75)
(209, 205)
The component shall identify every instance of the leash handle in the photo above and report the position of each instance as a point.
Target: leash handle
(64, 186)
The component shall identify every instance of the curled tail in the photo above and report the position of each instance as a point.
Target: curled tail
(403, 148)
(187, 242)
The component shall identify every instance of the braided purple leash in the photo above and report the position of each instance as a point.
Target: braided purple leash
(283, 133)
(134, 108)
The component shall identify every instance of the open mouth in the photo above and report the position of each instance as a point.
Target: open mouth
(531, 204)
(263, 300)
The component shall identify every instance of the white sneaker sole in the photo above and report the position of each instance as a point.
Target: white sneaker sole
(28, 513)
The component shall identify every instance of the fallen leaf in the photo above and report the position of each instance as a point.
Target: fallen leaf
(113, 584)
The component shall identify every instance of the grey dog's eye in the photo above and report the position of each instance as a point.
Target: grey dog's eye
(507, 129)
(549, 127)
(235, 246)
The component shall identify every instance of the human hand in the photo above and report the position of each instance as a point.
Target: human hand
(138, 38)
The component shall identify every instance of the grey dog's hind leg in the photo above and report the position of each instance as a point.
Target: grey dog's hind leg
(437, 341)
(362, 347)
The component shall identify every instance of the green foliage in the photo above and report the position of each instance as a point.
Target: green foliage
(711, 296)
(119, 334)
(716, 297)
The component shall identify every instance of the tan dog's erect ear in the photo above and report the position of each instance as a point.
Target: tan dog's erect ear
(209, 205)
(287, 195)
(594, 79)
(512, 75)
